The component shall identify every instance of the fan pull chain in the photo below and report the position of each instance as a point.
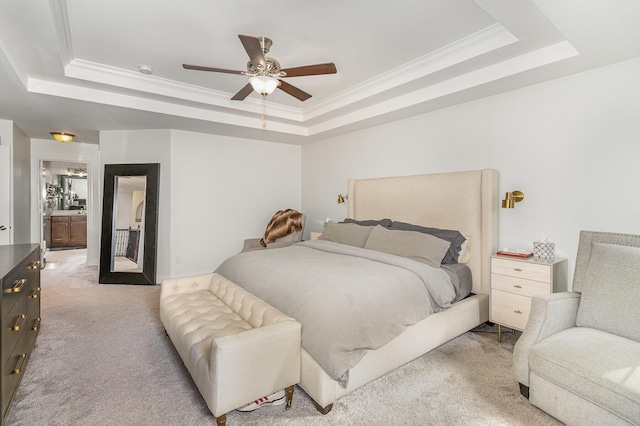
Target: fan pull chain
(264, 122)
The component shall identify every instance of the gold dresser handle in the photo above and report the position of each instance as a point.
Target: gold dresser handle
(17, 286)
(18, 323)
(35, 293)
(20, 364)
(34, 265)
(36, 324)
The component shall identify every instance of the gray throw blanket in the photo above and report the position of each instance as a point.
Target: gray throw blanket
(348, 299)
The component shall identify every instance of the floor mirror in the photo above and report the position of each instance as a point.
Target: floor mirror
(128, 245)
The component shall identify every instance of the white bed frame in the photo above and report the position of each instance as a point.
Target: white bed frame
(464, 201)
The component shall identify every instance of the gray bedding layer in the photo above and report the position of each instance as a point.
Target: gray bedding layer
(348, 299)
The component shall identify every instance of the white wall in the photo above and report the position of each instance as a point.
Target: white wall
(224, 190)
(144, 146)
(215, 191)
(50, 150)
(21, 187)
(571, 145)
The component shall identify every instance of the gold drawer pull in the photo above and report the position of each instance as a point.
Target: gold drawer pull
(17, 286)
(517, 269)
(34, 265)
(35, 293)
(518, 312)
(18, 323)
(517, 286)
(20, 364)
(36, 324)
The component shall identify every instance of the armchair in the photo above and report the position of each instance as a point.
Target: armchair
(578, 358)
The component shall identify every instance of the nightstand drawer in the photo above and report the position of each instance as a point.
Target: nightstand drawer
(510, 309)
(519, 286)
(524, 270)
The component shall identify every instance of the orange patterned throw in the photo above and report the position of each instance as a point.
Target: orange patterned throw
(283, 223)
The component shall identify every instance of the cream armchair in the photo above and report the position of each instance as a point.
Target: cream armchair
(578, 358)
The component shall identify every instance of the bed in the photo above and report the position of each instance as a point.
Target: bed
(464, 201)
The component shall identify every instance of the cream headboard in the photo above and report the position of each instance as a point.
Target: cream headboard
(465, 201)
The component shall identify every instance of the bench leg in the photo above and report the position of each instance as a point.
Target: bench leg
(221, 420)
(289, 392)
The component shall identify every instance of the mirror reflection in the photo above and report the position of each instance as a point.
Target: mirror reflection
(127, 252)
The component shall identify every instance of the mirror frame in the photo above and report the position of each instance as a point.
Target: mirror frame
(148, 275)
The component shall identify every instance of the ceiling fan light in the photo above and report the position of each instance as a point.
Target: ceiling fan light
(263, 84)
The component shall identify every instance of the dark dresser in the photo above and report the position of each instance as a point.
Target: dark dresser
(20, 312)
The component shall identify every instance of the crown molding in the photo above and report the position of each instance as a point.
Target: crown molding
(60, 15)
(474, 45)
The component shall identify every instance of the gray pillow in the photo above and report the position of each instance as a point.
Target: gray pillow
(346, 233)
(454, 237)
(424, 248)
(373, 222)
(611, 291)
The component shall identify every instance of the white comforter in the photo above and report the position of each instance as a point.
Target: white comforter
(347, 299)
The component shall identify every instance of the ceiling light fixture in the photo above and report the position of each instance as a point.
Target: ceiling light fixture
(62, 137)
(264, 84)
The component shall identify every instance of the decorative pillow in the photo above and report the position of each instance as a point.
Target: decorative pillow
(346, 233)
(384, 222)
(611, 291)
(454, 237)
(424, 248)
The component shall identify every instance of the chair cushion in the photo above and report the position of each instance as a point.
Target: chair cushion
(611, 290)
(601, 367)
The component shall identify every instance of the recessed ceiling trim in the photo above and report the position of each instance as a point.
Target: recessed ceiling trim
(487, 40)
(151, 105)
(60, 14)
(528, 61)
(104, 74)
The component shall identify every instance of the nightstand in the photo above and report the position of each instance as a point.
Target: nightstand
(515, 281)
(314, 235)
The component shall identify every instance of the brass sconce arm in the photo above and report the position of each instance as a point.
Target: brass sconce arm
(511, 198)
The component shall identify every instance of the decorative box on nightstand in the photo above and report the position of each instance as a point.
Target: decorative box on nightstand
(515, 281)
(314, 235)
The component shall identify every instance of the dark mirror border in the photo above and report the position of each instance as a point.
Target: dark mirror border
(148, 275)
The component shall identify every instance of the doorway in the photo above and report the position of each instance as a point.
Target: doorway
(64, 204)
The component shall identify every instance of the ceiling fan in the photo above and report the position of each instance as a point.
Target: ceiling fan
(265, 73)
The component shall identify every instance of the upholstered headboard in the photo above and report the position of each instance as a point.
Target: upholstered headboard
(464, 201)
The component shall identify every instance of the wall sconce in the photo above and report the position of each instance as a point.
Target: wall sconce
(341, 198)
(511, 198)
(62, 137)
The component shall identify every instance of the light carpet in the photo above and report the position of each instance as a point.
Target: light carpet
(102, 358)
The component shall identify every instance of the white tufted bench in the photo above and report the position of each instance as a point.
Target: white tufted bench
(236, 347)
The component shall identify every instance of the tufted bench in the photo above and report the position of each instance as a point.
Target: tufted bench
(236, 347)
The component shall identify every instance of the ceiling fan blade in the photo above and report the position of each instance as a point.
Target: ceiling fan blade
(201, 68)
(254, 49)
(328, 68)
(294, 91)
(243, 93)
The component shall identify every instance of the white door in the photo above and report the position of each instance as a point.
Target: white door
(5, 195)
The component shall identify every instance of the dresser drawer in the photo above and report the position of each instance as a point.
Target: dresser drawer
(13, 326)
(525, 270)
(12, 372)
(16, 283)
(519, 286)
(510, 309)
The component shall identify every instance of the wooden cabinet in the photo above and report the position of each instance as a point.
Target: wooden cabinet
(515, 281)
(69, 231)
(20, 314)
